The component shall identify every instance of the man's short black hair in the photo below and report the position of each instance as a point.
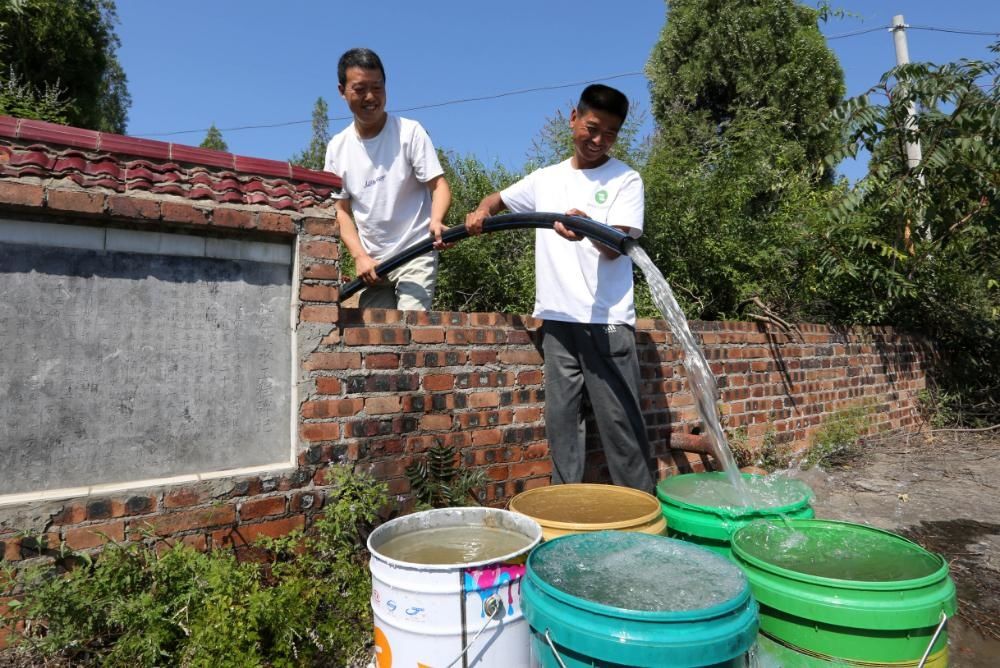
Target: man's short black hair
(366, 59)
(603, 98)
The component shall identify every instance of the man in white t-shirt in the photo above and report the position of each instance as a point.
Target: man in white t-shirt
(394, 192)
(583, 291)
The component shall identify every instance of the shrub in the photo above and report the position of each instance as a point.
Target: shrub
(145, 604)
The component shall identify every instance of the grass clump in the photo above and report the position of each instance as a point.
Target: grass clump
(836, 442)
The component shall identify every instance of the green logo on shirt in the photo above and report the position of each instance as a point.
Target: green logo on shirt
(601, 196)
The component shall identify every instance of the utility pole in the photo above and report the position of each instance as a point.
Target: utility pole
(913, 154)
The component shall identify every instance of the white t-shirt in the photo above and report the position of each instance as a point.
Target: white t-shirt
(384, 178)
(574, 282)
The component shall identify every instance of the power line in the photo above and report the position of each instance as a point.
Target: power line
(431, 105)
(857, 32)
(956, 31)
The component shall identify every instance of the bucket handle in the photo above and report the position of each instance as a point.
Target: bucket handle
(937, 632)
(493, 606)
(555, 652)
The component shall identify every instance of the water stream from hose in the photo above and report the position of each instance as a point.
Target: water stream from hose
(700, 379)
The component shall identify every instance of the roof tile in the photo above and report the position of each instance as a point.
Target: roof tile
(100, 160)
(57, 134)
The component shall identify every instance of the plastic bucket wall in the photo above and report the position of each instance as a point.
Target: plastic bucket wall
(581, 507)
(713, 526)
(427, 614)
(770, 653)
(880, 622)
(585, 633)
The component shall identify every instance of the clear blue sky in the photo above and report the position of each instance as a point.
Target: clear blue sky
(193, 63)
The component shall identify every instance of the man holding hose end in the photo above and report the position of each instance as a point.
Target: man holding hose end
(394, 192)
(583, 292)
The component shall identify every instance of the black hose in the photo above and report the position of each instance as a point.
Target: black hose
(609, 236)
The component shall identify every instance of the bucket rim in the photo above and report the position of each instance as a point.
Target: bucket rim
(696, 615)
(535, 536)
(940, 573)
(651, 516)
(732, 512)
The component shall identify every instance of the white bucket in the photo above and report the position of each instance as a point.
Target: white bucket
(437, 616)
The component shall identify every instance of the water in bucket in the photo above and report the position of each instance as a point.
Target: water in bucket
(454, 545)
(611, 599)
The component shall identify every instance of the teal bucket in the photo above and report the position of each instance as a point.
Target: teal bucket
(702, 508)
(610, 599)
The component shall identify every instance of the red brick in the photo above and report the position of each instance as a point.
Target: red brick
(382, 405)
(499, 472)
(531, 468)
(321, 271)
(135, 208)
(487, 437)
(273, 505)
(320, 431)
(332, 361)
(247, 534)
(536, 450)
(21, 194)
(319, 293)
(484, 399)
(435, 382)
(71, 513)
(432, 335)
(183, 212)
(533, 377)
(230, 217)
(481, 357)
(382, 361)
(321, 227)
(277, 222)
(520, 357)
(76, 201)
(332, 408)
(436, 422)
(84, 538)
(324, 250)
(179, 498)
(357, 336)
(328, 385)
(172, 523)
(325, 314)
(527, 414)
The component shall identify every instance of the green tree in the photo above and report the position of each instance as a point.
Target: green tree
(718, 58)
(492, 272)
(735, 181)
(213, 140)
(314, 156)
(921, 247)
(67, 46)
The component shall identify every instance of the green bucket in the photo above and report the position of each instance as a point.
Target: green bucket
(703, 508)
(847, 592)
(615, 598)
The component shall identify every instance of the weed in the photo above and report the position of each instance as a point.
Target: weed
(437, 482)
(836, 442)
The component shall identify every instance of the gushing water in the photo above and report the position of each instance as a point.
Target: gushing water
(700, 378)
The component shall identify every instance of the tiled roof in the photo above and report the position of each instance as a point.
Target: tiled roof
(124, 164)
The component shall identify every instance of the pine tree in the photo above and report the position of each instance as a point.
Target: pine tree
(315, 155)
(214, 140)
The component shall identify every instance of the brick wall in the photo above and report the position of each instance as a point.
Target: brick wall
(377, 388)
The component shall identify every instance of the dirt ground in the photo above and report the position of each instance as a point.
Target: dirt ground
(941, 490)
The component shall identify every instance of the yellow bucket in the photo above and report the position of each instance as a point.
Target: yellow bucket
(582, 507)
